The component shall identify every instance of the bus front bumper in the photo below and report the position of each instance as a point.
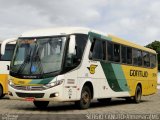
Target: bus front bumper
(50, 94)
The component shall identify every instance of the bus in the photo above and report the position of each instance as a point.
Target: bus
(7, 48)
(79, 64)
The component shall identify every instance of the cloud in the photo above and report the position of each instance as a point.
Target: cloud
(137, 21)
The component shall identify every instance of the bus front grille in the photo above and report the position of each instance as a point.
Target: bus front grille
(25, 95)
(32, 88)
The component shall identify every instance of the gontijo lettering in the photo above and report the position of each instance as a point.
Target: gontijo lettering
(138, 73)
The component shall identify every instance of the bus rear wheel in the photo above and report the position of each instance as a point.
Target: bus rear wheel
(104, 101)
(138, 94)
(85, 99)
(41, 104)
(1, 92)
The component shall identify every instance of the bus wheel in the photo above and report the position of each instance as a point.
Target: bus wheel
(104, 101)
(138, 94)
(41, 104)
(1, 92)
(85, 99)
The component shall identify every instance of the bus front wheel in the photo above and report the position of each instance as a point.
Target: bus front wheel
(41, 104)
(85, 99)
(138, 94)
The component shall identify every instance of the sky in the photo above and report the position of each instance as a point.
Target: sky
(135, 20)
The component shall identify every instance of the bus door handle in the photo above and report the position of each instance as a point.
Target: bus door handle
(8, 68)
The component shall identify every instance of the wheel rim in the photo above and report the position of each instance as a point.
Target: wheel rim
(85, 97)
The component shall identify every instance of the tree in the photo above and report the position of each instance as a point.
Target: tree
(155, 46)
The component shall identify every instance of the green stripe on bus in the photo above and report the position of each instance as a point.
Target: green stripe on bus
(120, 76)
(106, 38)
(111, 77)
(92, 35)
(41, 81)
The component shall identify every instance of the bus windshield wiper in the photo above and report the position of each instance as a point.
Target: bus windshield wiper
(36, 59)
(26, 61)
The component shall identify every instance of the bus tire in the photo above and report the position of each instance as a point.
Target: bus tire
(41, 104)
(1, 92)
(85, 99)
(138, 94)
(104, 101)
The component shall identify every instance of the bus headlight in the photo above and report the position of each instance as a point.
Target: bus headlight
(53, 84)
(10, 83)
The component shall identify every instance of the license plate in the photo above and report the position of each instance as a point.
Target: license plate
(29, 99)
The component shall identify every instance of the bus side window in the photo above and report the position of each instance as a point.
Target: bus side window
(146, 59)
(110, 51)
(129, 55)
(75, 59)
(153, 60)
(9, 50)
(97, 50)
(124, 54)
(137, 57)
(116, 53)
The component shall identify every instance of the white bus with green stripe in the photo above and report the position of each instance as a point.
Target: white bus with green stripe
(80, 64)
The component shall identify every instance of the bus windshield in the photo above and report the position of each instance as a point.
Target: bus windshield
(38, 56)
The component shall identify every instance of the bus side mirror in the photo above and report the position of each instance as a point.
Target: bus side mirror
(72, 44)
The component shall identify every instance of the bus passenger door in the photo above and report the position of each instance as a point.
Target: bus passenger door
(70, 86)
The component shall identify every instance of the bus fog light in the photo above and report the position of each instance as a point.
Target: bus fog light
(54, 95)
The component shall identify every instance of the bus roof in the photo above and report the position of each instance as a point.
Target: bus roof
(71, 30)
(12, 42)
(127, 43)
(55, 31)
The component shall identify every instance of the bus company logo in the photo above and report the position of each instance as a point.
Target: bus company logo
(28, 87)
(138, 73)
(92, 68)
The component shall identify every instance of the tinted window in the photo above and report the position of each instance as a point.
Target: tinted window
(146, 59)
(116, 53)
(110, 51)
(137, 57)
(153, 60)
(124, 54)
(97, 49)
(74, 60)
(129, 55)
(81, 41)
(8, 52)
